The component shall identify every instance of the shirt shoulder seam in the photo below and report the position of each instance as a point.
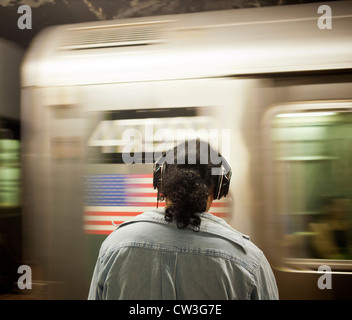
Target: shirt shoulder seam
(251, 268)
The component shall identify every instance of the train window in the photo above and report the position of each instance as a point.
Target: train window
(133, 136)
(311, 185)
(117, 190)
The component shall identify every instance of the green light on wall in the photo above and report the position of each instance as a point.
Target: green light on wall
(10, 173)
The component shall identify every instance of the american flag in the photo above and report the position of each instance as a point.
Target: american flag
(111, 199)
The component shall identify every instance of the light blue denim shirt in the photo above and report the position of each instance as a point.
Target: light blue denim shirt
(150, 258)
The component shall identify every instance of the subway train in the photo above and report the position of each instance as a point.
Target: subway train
(270, 87)
(10, 163)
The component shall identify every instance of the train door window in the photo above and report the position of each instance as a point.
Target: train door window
(310, 189)
(132, 136)
(115, 190)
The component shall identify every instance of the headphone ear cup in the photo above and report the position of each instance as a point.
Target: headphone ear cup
(156, 177)
(158, 169)
(217, 188)
(157, 180)
(223, 184)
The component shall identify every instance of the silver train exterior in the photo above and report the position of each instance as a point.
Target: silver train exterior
(272, 86)
(11, 57)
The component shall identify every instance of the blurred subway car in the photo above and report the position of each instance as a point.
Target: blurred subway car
(271, 87)
(10, 163)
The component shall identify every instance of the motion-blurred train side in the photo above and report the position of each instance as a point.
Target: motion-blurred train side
(11, 57)
(268, 85)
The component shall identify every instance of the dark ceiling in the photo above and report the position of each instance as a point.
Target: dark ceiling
(53, 12)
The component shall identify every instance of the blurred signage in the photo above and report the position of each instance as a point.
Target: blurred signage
(146, 133)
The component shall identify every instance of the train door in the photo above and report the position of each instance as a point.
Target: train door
(88, 153)
(53, 133)
(307, 140)
(146, 118)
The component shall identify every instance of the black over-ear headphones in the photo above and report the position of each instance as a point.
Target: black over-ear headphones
(221, 188)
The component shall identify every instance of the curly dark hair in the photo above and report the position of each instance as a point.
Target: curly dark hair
(187, 182)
